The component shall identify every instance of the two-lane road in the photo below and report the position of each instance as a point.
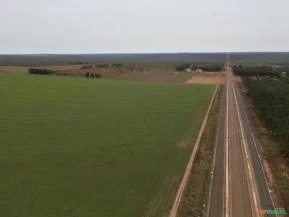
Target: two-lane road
(239, 187)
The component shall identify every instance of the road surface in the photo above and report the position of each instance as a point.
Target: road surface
(239, 187)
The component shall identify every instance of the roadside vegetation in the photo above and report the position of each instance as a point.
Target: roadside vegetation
(195, 200)
(82, 147)
(268, 102)
(271, 99)
(268, 87)
(262, 70)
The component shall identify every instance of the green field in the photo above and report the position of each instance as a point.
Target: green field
(76, 147)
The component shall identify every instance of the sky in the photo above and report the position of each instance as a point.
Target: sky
(143, 26)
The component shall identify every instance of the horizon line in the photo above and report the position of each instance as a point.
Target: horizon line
(140, 53)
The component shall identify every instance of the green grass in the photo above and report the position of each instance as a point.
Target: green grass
(76, 147)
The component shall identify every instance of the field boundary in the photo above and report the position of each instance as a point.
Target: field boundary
(215, 145)
(181, 189)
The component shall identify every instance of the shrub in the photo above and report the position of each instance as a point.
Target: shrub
(41, 71)
(182, 67)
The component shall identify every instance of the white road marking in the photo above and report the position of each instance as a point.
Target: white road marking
(259, 158)
(227, 151)
(247, 155)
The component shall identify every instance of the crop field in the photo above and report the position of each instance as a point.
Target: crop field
(77, 147)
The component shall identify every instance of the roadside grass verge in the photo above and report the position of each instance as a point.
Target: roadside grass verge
(195, 200)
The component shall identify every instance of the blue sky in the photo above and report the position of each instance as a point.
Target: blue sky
(121, 26)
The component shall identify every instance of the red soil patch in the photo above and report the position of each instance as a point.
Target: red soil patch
(207, 79)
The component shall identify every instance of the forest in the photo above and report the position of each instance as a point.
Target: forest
(262, 70)
(270, 97)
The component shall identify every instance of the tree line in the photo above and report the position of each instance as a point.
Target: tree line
(271, 100)
(41, 71)
(204, 67)
(260, 70)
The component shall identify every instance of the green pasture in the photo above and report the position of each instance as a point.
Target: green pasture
(77, 147)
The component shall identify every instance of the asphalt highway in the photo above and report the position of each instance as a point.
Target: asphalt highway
(239, 187)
